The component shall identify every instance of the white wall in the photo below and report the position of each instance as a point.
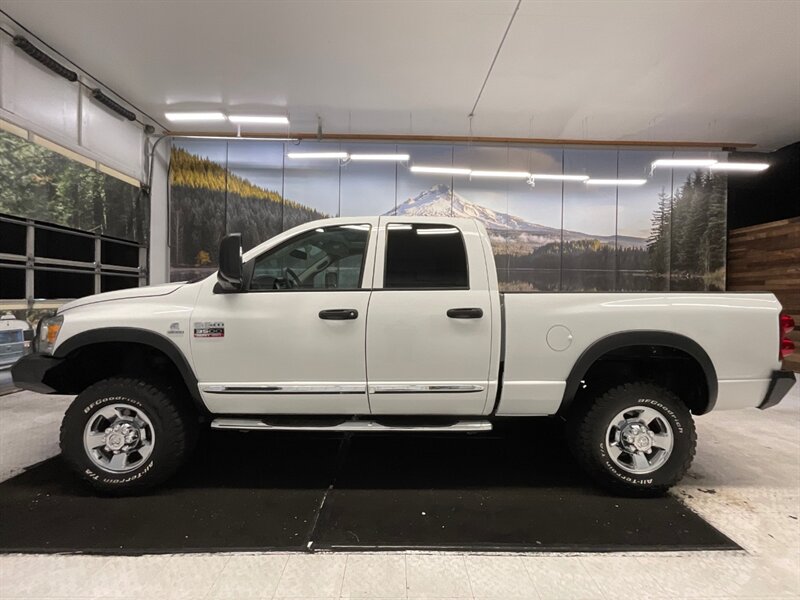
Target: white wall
(41, 101)
(159, 216)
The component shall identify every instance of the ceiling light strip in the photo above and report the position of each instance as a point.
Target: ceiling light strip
(259, 119)
(616, 181)
(501, 174)
(683, 162)
(314, 155)
(740, 166)
(194, 116)
(378, 157)
(555, 177)
(440, 170)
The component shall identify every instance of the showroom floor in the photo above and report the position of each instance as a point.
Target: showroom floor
(745, 481)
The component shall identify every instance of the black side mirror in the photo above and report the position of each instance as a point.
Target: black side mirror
(229, 275)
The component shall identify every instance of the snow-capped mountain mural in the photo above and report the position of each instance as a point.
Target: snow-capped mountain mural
(440, 201)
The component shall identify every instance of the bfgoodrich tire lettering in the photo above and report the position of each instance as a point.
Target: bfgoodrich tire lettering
(170, 423)
(591, 423)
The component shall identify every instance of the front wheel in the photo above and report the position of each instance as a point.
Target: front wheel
(635, 440)
(125, 435)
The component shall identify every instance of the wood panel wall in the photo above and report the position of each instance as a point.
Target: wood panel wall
(766, 258)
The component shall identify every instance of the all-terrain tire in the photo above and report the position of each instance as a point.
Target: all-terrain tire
(174, 429)
(589, 423)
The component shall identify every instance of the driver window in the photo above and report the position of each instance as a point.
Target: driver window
(323, 258)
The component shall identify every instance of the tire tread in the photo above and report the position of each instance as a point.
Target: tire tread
(175, 421)
(586, 415)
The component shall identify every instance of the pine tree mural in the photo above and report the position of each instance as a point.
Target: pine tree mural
(688, 233)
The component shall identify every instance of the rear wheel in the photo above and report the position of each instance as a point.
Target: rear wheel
(125, 435)
(636, 440)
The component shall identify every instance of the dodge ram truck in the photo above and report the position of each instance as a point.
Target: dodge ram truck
(390, 324)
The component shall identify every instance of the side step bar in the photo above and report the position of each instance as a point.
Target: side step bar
(351, 426)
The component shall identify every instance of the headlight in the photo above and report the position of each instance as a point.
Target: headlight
(48, 333)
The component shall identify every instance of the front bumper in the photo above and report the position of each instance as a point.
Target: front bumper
(30, 372)
(779, 385)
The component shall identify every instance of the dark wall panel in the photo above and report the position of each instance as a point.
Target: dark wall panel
(771, 195)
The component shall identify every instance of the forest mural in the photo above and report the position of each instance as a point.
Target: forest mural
(206, 201)
(37, 183)
(556, 236)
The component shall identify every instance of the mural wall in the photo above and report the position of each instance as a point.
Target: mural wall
(37, 183)
(555, 236)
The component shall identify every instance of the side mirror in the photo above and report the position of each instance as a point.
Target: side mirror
(229, 275)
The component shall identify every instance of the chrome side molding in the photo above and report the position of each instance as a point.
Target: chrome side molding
(343, 388)
(462, 426)
(285, 389)
(424, 388)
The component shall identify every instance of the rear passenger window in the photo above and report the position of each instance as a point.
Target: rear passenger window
(425, 256)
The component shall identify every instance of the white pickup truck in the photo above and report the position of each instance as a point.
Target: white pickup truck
(390, 324)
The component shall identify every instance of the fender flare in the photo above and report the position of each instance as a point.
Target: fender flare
(143, 337)
(617, 341)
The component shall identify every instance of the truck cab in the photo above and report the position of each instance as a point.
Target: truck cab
(383, 316)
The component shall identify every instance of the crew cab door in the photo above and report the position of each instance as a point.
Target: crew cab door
(292, 342)
(429, 331)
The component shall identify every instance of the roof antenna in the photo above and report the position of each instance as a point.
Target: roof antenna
(319, 128)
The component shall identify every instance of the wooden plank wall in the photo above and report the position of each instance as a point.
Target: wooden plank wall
(767, 258)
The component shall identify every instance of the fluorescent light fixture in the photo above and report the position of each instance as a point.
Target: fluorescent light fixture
(734, 166)
(395, 157)
(616, 181)
(441, 170)
(273, 120)
(338, 155)
(437, 231)
(509, 174)
(553, 177)
(683, 162)
(195, 116)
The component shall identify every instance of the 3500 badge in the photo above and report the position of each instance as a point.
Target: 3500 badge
(209, 329)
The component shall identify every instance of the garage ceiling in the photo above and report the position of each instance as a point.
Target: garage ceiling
(690, 71)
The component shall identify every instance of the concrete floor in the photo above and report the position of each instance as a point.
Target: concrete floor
(745, 481)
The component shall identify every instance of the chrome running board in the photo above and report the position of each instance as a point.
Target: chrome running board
(383, 426)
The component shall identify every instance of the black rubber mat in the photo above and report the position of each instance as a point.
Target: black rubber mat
(240, 492)
(516, 489)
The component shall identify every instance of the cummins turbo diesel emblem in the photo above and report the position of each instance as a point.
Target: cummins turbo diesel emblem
(209, 329)
(175, 329)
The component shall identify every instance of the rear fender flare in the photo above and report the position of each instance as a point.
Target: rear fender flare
(640, 338)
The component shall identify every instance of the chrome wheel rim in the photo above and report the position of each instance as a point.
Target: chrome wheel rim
(639, 440)
(119, 438)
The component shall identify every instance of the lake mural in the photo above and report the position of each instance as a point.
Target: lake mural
(668, 234)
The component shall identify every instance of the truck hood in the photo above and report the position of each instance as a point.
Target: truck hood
(142, 292)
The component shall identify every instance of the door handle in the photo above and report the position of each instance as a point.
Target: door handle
(465, 313)
(339, 314)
